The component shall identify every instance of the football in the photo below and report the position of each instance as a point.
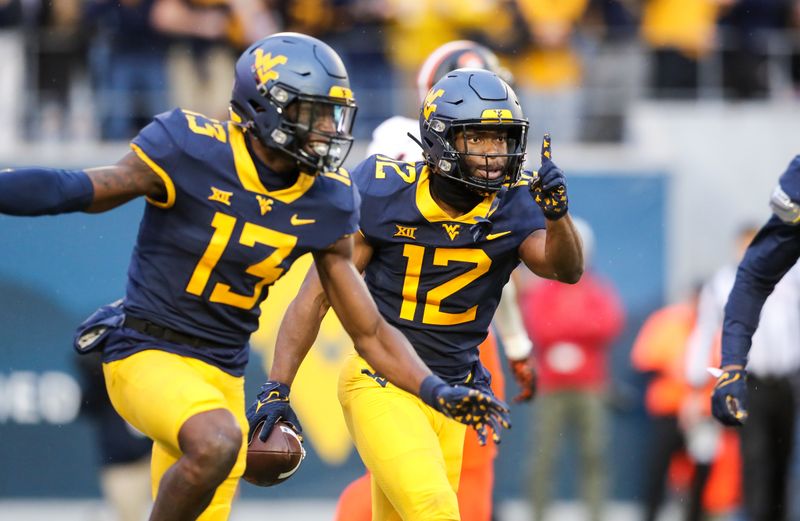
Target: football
(275, 460)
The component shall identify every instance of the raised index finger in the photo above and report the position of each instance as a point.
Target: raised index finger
(547, 153)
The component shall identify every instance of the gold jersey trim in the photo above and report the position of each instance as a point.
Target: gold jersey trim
(248, 175)
(160, 172)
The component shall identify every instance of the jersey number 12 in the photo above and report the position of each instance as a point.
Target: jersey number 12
(432, 313)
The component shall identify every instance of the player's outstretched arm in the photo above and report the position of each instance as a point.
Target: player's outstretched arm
(517, 345)
(773, 252)
(49, 191)
(382, 346)
(296, 334)
(301, 323)
(555, 253)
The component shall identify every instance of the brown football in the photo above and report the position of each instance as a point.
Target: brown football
(275, 460)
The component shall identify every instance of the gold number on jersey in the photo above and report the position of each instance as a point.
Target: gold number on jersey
(432, 313)
(267, 270)
(409, 176)
(212, 127)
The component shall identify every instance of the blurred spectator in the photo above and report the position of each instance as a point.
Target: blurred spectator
(794, 24)
(572, 328)
(659, 350)
(128, 62)
(679, 34)
(10, 13)
(124, 453)
(768, 435)
(357, 30)
(12, 56)
(421, 26)
(613, 68)
(56, 57)
(549, 70)
(746, 30)
(208, 36)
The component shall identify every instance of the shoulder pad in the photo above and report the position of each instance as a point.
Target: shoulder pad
(387, 167)
(340, 190)
(200, 127)
(383, 174)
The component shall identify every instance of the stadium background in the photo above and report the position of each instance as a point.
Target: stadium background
(665, 179)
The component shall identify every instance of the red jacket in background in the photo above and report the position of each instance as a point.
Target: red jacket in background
(572, 327)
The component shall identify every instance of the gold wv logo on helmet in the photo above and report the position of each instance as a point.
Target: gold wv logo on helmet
(429, 106)
(264, 65)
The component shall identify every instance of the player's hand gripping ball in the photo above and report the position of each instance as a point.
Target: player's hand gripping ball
(549, 185)
(275, 460)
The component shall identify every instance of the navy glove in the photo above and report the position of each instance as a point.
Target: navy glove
(549, 185)
(467, 405)
(271, 405)
(729, 398)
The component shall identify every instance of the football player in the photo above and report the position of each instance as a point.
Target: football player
(231, 204)
(392, 139)
(774, 250)
(438, 240)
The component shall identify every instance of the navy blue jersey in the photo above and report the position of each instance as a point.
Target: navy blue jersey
(205, 258)
(428, 275)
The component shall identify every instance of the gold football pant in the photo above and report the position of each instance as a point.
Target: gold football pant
(157, 392)
(412, 451)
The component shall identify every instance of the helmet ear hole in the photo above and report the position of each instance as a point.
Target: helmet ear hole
(257, 108)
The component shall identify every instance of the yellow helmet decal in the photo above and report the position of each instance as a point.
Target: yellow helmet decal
(264, 65)
(337, 91)
(496, 115)
(429, 106)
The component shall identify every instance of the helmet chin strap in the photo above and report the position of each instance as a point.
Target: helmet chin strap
(280, 179)
(454, 193)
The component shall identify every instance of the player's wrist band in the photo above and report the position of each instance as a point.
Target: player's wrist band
(44, 191)
(428, 391)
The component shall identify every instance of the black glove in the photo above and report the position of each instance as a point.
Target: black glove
(271, 405)
(467, 405)
(549, 185)
(729, 398)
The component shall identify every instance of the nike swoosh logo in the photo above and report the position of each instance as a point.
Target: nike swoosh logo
(260, 405)
(296, 221)
(493, 236)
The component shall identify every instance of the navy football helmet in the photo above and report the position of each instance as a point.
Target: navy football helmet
(293, 93)
(458, 54)
(467, 101)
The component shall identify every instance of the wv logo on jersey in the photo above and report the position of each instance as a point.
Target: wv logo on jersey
(220, 196)
(264, 63)
(405, 231)
(452, 230)
(264, 204)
